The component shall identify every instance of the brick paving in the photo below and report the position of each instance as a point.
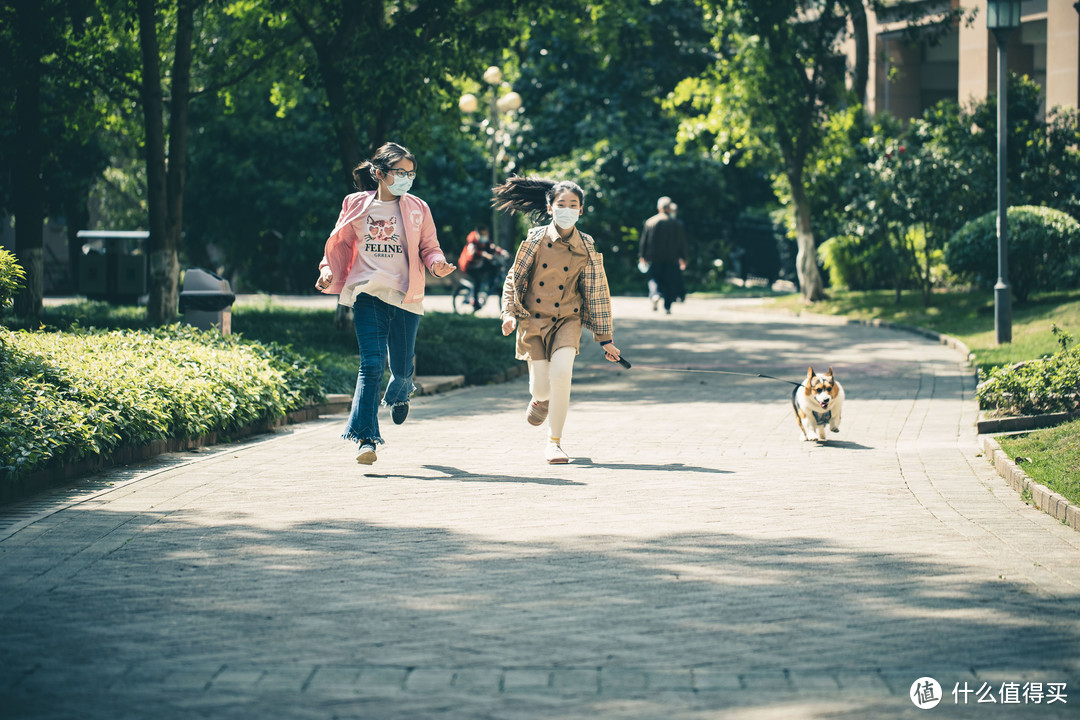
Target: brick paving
(696, 560)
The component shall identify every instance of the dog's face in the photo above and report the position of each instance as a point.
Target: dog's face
(821, 390)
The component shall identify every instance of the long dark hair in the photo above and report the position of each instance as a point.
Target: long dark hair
(383, 159)
(531, 195)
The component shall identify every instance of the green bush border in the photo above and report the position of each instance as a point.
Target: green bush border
(65, 397)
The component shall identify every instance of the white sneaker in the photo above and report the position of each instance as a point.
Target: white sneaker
(655, 301)
(555, 455)
(367, 453)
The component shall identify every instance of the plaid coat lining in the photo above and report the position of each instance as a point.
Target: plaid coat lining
(596, 315)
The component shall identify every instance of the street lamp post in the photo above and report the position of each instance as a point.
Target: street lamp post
(1002, 17)
(508, 102)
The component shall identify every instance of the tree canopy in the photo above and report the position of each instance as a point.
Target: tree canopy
(229, 128)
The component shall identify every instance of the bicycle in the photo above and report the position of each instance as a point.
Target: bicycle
(492, 287)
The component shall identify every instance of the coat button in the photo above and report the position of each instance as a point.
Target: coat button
(537, 314)
(566, 269)
(556, 304)
(537, 300)
(545, 264)
(575, 309)
(560, 287)
(541, 283)
(549, 244)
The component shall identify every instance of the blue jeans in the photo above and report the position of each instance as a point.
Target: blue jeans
(381, 330)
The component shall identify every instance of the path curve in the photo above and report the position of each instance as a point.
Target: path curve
(696, 560)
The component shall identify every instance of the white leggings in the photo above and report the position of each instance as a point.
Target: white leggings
(550, 380)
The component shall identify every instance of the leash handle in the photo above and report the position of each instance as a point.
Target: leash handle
(624, 362)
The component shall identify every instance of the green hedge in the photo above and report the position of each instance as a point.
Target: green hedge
(1043, 250)
(446, 343)
(12, 277)
(66, 396)
(857, 263)
(1049, 384)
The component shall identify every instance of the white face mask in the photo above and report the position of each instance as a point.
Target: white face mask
(400, 185)
(565, 217)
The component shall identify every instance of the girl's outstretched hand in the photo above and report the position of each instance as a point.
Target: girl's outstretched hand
(611, 352)
(325, 278)
(442, 268)
(508, 325)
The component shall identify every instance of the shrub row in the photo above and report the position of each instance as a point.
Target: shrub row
(1049, 384)
(1043, 254)
(1043, 250)
(67, 396)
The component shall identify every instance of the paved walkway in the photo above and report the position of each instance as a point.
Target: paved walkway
(697, 560)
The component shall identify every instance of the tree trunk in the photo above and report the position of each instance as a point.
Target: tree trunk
(860, 74)
(926, 274)
(28, 194)
(898, 254)
(352, 151)
(176, 178)
(163, 263)
(78, 218)
(337, 65)
(806, 259)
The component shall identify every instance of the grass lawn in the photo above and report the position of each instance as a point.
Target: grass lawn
(1055, 457)
(969, 317)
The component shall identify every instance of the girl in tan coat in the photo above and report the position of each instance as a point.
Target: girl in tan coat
(555, 287)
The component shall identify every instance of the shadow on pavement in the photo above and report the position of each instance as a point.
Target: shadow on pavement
(194, 609)
(669, 467)
(452, 473)
(842, 445)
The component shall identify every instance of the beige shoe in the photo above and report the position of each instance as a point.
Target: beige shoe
(367, 454)
(537, 412)
(554, 454)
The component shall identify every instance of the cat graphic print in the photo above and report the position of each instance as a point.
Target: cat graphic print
(381, 238)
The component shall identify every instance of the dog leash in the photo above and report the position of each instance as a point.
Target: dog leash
(626, 364)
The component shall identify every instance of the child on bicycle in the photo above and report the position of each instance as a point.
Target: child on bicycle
(556, 286)
(477, 261)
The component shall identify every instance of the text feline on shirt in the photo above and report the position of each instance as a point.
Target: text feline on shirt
(373, 247)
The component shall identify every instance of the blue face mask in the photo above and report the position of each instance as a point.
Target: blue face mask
(400, 186)
(565, 217)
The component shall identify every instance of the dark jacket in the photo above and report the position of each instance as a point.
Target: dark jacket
(663, 240)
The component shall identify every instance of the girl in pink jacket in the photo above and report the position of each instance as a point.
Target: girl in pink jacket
(374, 260)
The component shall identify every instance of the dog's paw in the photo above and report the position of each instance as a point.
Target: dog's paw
(835, 429)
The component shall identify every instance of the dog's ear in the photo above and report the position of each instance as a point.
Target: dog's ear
(810, 371)
(830, 372)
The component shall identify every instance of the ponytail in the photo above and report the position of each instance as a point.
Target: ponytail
(383, 159)
(364, 176)
(531, 195)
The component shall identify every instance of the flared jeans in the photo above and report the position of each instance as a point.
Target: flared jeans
(385, 334)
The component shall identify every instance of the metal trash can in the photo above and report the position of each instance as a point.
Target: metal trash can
(112, 265)
(206, 300)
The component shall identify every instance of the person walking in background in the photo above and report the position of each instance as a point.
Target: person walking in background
(374, 259)
(663, 247)
(680, 285)
(477, 260)
(556, 286)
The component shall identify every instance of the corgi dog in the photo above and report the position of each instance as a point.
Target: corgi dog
(818, 402)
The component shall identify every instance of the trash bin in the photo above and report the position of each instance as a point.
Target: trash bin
(206, 300)
(112, 266)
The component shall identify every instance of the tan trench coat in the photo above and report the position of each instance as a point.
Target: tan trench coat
(554, 288)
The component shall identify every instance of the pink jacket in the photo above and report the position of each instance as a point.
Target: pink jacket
(420, 241)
